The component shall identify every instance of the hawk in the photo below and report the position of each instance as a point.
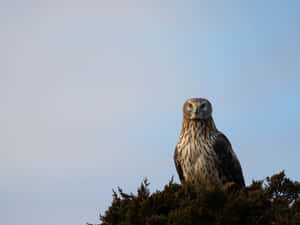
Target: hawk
(203, 154)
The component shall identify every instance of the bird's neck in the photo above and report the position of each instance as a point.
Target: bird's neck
(201, 127)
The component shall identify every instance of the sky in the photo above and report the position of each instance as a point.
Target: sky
(91, 96)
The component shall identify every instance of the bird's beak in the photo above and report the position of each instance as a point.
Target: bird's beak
(195, 108)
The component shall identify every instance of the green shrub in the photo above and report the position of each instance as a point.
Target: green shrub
(273, 201)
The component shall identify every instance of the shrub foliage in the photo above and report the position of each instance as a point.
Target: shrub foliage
(275, 200)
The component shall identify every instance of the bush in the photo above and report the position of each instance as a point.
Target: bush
(274, 200)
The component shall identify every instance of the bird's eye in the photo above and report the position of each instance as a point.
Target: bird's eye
(203, 105)
(190, 105)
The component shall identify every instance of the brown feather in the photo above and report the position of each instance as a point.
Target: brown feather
(227, 161)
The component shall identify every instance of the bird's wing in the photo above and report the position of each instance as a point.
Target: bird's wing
(178, 165)
(227, 160)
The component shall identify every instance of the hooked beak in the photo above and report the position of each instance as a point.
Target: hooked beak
(195, 109)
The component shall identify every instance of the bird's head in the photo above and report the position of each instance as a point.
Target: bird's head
(197, 108)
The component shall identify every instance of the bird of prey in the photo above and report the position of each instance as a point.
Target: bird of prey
(203, 154)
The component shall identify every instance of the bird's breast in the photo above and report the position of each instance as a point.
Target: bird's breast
(197, 156)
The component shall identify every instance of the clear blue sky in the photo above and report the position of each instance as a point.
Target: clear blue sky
(91, 95)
